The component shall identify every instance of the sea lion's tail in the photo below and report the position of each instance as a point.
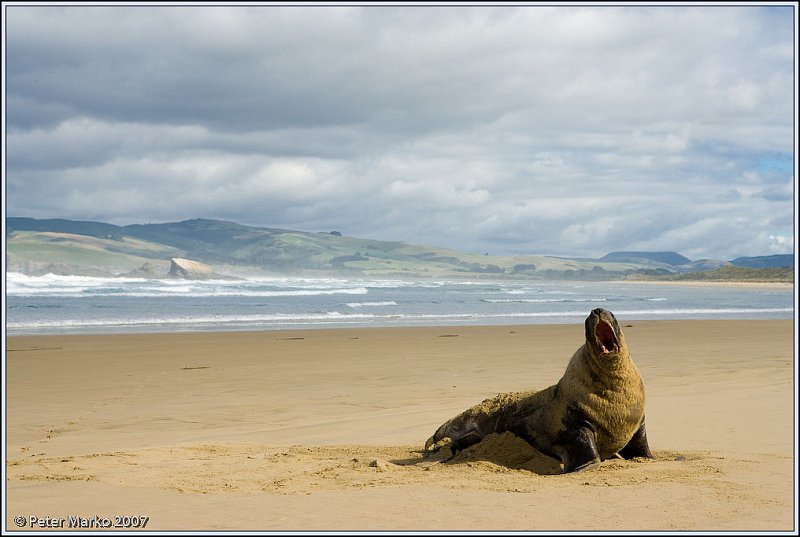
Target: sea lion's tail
(469, 427)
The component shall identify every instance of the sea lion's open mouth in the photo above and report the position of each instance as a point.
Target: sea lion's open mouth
(606, 338)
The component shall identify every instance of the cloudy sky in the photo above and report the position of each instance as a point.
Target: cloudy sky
(548, 130)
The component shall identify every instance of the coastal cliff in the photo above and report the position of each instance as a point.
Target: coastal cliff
(186, 269)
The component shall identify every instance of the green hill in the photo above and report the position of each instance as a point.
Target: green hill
(742, 274)
(766, 261)
(75, 247)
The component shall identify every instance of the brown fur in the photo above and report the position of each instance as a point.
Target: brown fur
(594, 412)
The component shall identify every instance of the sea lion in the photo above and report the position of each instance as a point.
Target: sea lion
(596, 410)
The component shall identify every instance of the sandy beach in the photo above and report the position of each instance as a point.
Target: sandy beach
(323, 430)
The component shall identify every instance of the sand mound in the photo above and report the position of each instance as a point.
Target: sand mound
(511, 452)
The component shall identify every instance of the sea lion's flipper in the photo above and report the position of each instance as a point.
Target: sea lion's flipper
(490, 416)
(460, 432)
(464, 440)
(637, 446)
(578, 449)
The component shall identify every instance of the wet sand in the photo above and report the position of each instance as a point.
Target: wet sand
(322, 430)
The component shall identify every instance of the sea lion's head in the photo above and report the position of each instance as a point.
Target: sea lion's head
(603, 334)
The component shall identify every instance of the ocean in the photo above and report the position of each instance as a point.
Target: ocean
(54, 304)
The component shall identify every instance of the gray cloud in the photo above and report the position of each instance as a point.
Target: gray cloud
(570, 130)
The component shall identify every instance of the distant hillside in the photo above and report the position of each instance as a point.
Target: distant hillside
(767, 261)
(667, 258)
(63, 246)
(145, 250)
(76, 227)
(741, 274)
(702, 265)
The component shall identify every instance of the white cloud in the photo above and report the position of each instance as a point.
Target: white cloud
(565, 130)
(780, 244)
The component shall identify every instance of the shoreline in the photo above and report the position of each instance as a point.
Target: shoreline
(321, 429)
(704, 283)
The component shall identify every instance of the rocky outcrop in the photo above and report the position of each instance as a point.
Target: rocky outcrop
(186, 269)
(147, 270)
